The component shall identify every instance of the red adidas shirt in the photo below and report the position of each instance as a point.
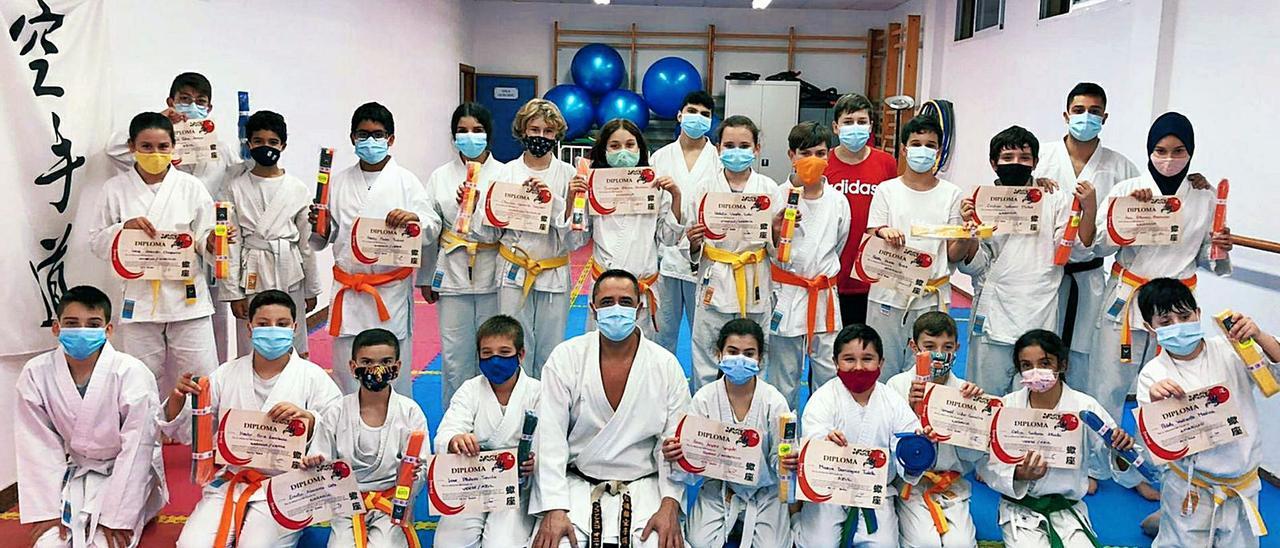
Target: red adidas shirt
(858, 183)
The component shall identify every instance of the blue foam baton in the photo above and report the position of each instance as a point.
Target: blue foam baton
(1133, 456)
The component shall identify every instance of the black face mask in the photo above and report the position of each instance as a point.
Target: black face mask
(1013, 174)
(538, 145)
(375, 379)
(265, 156)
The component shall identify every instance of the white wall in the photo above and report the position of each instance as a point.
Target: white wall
(314, 61)
(516, 38)
(1151, 56)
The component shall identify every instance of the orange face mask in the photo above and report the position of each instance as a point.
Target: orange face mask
(809, 169)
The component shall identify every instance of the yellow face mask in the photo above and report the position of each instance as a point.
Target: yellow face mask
(153, 162)
(809, 169)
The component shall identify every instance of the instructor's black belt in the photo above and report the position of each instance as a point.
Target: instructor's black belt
(1076, 268)
(599, 488)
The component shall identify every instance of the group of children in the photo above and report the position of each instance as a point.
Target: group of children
(504, 296)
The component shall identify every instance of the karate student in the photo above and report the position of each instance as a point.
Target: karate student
(691, 160)
(740, 398)
(805, 317)
(369, 430)
(855, 169)
(164, 323)
(460, 278)
(191, 98)
(1042, 506)
(855, 409)
(272, 379)
(270, 210)
(1191, 361)
(1080, 157)
(733, 276)
(368, 296)
(609, 398)
(1020, 288)
(918, 197)
(111, 481)
(1171, 144)
(488, 414)
(533, 273)
(936, 513)
(630, 242)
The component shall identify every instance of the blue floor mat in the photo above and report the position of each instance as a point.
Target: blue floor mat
(1115, 511)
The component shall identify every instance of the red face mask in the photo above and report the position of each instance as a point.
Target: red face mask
(859, 380)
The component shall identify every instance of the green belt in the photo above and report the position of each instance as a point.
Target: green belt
(1050, 504)
(851, 524)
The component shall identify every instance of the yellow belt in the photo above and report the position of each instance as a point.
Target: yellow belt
(450, 240)
(739, 262)
(531, 267)
(1222, 488)
(932, 286)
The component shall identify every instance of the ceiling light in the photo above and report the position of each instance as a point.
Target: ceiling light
(601, 2)
(760, 4)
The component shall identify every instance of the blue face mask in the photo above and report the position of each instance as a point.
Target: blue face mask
(371, 150)
(737, 160)
(272, 342)
(499, 369)
(471, 145)
(1180, 338)
(82, 342)
(1084, 126)
(694, 125)
(616, 322)
(854, 136)
(921, 159)
(739, 369)
(622, 158)
(191, 110)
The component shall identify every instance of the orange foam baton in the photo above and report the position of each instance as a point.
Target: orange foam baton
(202, 469)
(1063, 253)
(322, 193)
(404, 481)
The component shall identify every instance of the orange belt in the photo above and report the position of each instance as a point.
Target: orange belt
(941, 483)
(364, 283)
(813, 286)
(646, 289)
(1136, 282)
(233, 507)
(380, 501)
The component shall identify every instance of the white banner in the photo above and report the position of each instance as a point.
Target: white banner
(55, 97)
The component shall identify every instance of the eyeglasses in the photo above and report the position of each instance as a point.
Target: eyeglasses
(386, 362)
(362, 134)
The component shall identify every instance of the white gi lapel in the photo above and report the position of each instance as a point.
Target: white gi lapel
(156, 212)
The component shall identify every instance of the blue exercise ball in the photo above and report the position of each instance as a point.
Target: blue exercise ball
(598, 69)
(576, 107)
(666, 83)
(621, 103)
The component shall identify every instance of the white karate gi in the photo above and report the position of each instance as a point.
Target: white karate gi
(1024, 528)
(1216, 364)
(819, 238)
(915, 524)
(115, 469)
(544, 311)
(717, 295)
(833, 408)
(476, 410)
(353, 194)
(578, 429)
(170, 335)
(376, 466)
(271, 250)
(631, 242)
(765, 520)
(1020, 293)
(1104, 169)
(1107, 378)
(234, 385)
(468, 295)
(891, 313)
(214, 175)
(677, 283)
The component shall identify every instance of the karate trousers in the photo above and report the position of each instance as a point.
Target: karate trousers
(460, 317)
(171, 349)
(785, 359)
(677, 301)
(543, 316)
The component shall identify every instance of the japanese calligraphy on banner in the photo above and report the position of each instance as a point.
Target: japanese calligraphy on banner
(53, 59)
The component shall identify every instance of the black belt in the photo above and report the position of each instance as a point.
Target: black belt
(599, 488)
(1075, 268)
